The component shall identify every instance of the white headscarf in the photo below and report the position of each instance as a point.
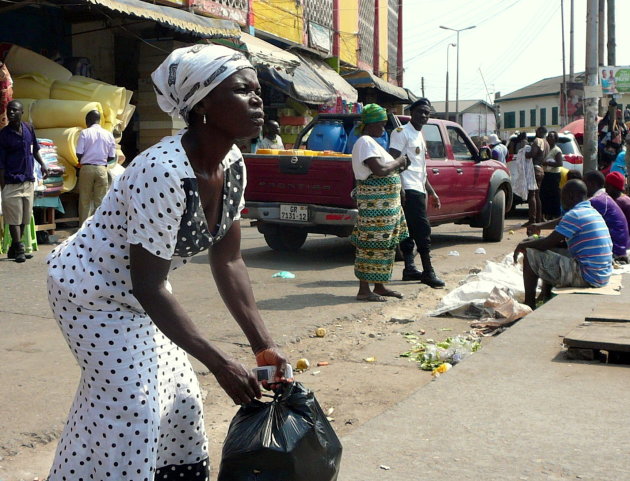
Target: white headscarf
(189, 74)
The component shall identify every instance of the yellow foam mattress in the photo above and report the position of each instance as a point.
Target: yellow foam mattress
(69, 176)
(111, 97)
(21, 61)
(66, 141)
(31, 86)
(52, 113)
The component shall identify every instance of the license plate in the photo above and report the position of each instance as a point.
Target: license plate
(294, 212)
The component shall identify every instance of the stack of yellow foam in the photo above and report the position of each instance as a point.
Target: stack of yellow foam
(57, 102)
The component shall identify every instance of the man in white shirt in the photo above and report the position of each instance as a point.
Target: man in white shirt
(499, 151)
(408, 140)
(271, 136)
(95, 148)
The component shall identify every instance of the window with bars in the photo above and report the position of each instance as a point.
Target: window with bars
(521, 118)
(392, 39)
(532, 117)
(366, 32)
(554, 115)
(320, 12)
(543, 116)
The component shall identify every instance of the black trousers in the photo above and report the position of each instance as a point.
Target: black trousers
(415, 209)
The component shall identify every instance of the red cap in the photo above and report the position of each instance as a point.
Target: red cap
(617, 180)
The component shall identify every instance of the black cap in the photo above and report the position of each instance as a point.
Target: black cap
(420, 101)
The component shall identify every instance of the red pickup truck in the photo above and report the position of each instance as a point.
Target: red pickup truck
(292, 195)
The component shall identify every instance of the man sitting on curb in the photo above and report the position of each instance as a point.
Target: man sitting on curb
(615, 187)
(588, 260)
(609, 210)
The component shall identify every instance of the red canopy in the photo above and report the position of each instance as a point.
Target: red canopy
(576, 127)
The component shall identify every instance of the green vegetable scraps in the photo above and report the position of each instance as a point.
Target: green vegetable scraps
(429, 354)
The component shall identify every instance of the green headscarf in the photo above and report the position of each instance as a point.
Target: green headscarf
(371, 114)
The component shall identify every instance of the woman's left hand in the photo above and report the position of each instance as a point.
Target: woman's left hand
(436, 200)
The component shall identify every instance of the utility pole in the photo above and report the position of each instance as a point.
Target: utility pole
(590, 102)
(601, 32)
(571, 43)
(564, 69)
(612, 46)
(422, 88)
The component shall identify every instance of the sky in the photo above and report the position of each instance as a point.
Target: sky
(515, 43)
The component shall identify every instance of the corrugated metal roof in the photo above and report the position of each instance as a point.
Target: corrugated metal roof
(262, 53)
(363, 78)
(547, 86)
(172, 17)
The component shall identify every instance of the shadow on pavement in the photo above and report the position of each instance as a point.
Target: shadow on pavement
(293, 302)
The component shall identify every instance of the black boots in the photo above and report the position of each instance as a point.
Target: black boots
(16, 252)
(428, 276)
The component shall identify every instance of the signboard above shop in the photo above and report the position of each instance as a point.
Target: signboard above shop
(215, 9)
(614, 80)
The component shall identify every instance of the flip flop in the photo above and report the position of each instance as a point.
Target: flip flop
(389, 293)
(371, 297)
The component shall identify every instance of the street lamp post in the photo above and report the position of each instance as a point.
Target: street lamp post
(446, 107)
(457, 30)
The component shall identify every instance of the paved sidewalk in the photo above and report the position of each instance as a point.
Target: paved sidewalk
(515, 410)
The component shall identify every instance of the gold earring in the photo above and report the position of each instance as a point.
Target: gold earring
(204, 119)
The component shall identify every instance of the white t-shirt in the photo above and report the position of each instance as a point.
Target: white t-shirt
(407, 140)
(501, 151)
(366, 148)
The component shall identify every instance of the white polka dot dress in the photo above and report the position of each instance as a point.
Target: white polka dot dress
(137, 414)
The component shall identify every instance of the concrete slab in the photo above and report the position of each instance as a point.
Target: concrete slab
(514, 410)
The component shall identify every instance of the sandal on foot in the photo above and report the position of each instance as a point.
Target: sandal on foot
(389, 293)
(371, 297)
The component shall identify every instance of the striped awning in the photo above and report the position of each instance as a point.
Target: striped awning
(174, 18)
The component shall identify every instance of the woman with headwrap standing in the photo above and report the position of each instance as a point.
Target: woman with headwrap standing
(381, 223)
(137, 414)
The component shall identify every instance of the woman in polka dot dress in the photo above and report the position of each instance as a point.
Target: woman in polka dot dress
(137, 414)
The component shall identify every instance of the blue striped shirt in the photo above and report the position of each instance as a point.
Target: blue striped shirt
(589, 242)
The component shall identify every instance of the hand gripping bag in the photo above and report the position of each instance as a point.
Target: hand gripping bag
(287, 439)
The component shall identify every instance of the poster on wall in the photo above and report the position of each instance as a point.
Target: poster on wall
(319, 37)
(614, 80)
(574, 101)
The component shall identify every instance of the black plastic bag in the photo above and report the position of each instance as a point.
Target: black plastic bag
(287, 439)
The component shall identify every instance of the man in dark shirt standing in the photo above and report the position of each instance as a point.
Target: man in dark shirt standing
(18, 151)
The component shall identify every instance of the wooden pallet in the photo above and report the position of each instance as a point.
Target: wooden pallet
(607, 335)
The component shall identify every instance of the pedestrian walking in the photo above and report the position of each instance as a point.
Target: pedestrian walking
(550, 185)
(18, 152)
(138, 411)
(95, 149)
(380, 223)
(537, 154)
(408, 140)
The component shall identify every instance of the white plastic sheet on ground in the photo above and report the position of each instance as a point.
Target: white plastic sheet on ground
(476, 288)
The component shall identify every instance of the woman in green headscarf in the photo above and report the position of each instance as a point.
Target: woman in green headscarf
(381, 223)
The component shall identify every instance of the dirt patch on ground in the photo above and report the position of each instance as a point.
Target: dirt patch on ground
(352, 389)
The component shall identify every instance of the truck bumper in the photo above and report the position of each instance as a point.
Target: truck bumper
(318, 215)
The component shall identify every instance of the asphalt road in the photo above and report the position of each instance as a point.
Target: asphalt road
(39, 374)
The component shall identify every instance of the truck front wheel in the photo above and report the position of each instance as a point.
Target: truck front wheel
(284, 238)
(494, 231)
